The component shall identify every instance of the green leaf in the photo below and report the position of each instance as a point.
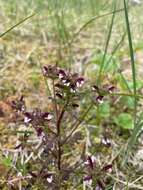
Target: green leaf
(139, 85)
(7, 161)
(125, 121)
(104, 110)
(128, 101)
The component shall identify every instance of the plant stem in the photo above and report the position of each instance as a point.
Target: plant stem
(59, 138)
(55, 102)
(126, 94)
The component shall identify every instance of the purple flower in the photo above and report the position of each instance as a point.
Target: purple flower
(99, 186)
(59, 95)
(39, 131)
(66, 82)
(107, 168)
(72, 81)
(79, 82)
(106, 142)
(87, 180)
(28, 117)
(75, 105)
(62, 74)
(45, 70)
(111, 89)
(37, 117)
(95, 88)
(50, 179)
(19, 105)
(73, 88)
(99, 99)
(50, 71)
(46, 116)
(91, 160)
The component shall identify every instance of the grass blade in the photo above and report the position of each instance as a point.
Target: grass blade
(136, 127)
(112, 54)
(14, 26)
(107, 44)
(92, 20)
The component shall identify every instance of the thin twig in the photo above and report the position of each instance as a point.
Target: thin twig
(130, 185)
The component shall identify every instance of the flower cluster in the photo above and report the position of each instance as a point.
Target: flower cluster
(37, 117)
(58, 133)
(71, 81)
(19, 105)
(93, 170)
(44, 175)
(101, 92)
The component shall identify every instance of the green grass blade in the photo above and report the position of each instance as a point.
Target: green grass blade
(92, 20)
(136, 127)
(133, 138)
(132, 57)
(107, 44)
(112, 54)
(14, 26)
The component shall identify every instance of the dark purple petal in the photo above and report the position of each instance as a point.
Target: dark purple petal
(73, 88)
(45, 70)
(111, 89)
(33, 174)
(95, 88)
(107, 168)
(18, 146)
(62, 74)
(47, 116)
(79, 82)
(46, 175)
(39, 131)
(21, 98)
(22, 108)
(99, 186)
(18, 105)
(66, 82)
(59, 86)
(59, 95)
(75, 105)
(90, 162)
(99, 99)
(28, 117)
(87, 178)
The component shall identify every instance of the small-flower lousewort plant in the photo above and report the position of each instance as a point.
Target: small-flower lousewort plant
(50, 152)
